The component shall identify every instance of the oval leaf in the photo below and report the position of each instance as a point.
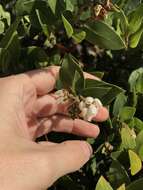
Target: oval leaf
(128, 140)
(79, 36)
(135, 19)
(103, 184)
(135, 38)
(96, 92)
(135, 162)
(68, 27)
(71, 74)
(126, 113)
(136, 185)
(122, 187)
(117, 174)
(98, 32)
(120, 101)
(52, 4)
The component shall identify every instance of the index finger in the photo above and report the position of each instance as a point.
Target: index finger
(45, 79)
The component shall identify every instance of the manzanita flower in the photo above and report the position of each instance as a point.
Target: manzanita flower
(89, 108)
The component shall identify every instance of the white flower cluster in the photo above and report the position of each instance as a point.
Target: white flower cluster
(89, 108)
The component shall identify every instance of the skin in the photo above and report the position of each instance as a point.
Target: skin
(29, 110)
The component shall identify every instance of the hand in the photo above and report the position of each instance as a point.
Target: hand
(28, 109)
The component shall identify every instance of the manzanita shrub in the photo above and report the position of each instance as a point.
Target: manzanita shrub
(72, 33)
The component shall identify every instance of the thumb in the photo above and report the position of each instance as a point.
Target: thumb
(69, 156)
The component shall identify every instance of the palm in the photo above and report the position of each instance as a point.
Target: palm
(38, 111)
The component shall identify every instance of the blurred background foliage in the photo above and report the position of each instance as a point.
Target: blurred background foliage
(106, 37)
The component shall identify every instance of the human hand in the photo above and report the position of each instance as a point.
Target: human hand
(28, 109)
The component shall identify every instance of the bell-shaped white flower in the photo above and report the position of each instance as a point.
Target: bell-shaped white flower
(97, 103)
(89, 100)
(91, 113)
(89, 108)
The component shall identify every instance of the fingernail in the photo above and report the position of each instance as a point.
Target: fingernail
(87, 148)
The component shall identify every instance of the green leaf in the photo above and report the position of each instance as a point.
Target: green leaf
(116, 154)
(135, 19)
(102, 184)
(98, 74)
(123, 21)
(68, 27)
(4, 16)
(1, 27)
(79, 36)
(41, 17)
(69, 5)
(95, 92)
(117, 174)
(136, 185)
(135, 162)
(55, 59)
(120, 20)
(10, 56)
(127, 138)
(139, 140)
(99, 33)
(139, 145)
(138, 124)
(135, 38)
(66, 181)
(140, 152)
(25, 7)
(110, 95)
(139, 84)
(10, 33)
(126, 113)
(37, 56)
(120, 101)
(93, 166)
(52, 4)
(42, 23)
(77, 77)
(122, 187)
(85, 14)
(71, 74)
(10, 48)
(136, 81)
